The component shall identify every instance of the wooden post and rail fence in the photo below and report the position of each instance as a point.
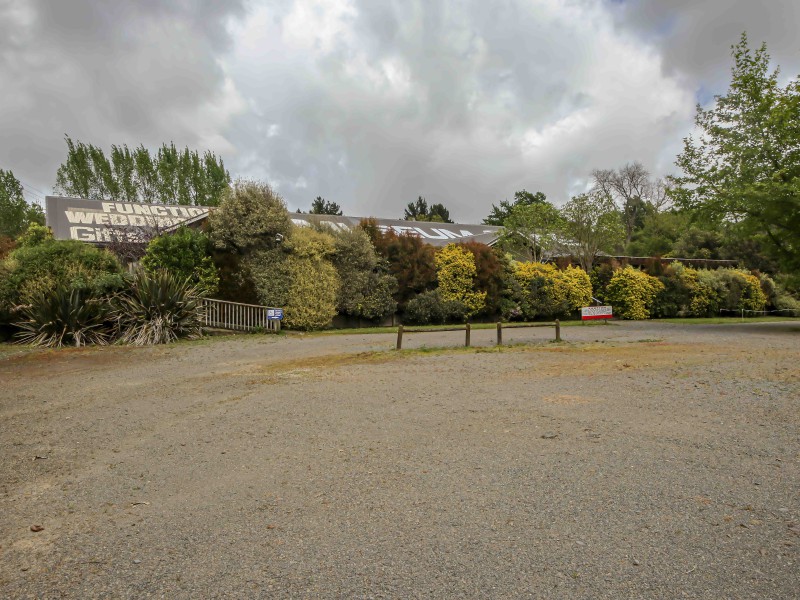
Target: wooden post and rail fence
(467, 329)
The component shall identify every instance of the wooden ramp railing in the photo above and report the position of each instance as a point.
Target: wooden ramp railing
(222, 314)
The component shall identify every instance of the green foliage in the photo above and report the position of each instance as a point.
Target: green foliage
(456, 273)
(252, 217)
(300, 278)
(368, 287)
(411, 262)
(429, 308)
(64, 316)
(29, 271)
(187, 255)
(632, 292)
(34, 235)
(320, 206)
(658, 235)
(172, 176)
(16, 215)
(419, 211)
(591, 224)
(745, 165)
(542, 290)
(158, 308)
(531, 228)
(501, 212)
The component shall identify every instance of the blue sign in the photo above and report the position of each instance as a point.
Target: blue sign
(275, 314)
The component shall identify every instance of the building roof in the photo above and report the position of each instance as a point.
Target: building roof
(100, 222)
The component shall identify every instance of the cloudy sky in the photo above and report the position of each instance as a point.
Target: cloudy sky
(371, 103)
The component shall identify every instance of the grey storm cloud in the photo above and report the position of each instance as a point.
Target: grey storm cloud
(108, 72)
(371, 104)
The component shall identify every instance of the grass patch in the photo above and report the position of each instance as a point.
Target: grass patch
(725, 320)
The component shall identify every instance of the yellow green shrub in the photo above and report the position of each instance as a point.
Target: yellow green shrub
(456, 273)
(299, 278)
(543, 290)
(631, 292)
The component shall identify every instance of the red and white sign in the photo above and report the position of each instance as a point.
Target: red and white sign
(596, 312)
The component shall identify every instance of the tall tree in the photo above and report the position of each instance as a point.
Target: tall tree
(172, 176)
(634, 192)
(744, 167)
(15, 213)
(501, 212)
(419, 211)
(320, 206)
(531, 228)
(592, 224)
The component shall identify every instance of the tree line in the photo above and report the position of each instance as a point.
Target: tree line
(736, 197)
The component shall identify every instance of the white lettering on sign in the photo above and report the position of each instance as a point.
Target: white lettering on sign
(596, 312)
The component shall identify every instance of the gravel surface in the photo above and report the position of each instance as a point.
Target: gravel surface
(636, 460)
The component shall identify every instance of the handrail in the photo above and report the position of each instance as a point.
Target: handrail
(238, 316)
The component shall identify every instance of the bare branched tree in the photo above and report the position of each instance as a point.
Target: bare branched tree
(633, 192)
(129, 242)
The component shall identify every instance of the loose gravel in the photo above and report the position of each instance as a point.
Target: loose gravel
(636, 460)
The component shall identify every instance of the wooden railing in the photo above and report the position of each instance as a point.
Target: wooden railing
(222, 314)
(467, 329)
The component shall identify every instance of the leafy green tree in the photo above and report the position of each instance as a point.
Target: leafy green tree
(187, 255)
(659, 234)
(501, 212)
(419, 211)
(15, 213)
(591, 224)
(252, 217)
(532, 229)
(744, 167)
(172, 176)
(320, 206)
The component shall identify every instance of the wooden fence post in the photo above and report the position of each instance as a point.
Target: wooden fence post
(558, 330)
(499, 333)
(466, 341)
(399, 337)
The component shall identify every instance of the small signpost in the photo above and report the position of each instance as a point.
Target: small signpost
(275, 314)
(589, 313)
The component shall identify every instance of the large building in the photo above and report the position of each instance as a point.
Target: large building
(100, 222)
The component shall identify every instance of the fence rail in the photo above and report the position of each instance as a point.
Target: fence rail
(467, 329)
(236, 316)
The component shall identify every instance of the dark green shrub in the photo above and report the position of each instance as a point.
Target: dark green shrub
(187, 255)
(28, 271)
(64, 317)
(368, 288)
(428, 308)
(158, 308)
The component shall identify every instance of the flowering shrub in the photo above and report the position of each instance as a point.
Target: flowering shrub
(543, 290)
(631, 292)
(456, 273)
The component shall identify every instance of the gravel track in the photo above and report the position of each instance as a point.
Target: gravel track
(637, 460)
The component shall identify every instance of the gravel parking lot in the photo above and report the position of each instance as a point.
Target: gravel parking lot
(635, 460)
